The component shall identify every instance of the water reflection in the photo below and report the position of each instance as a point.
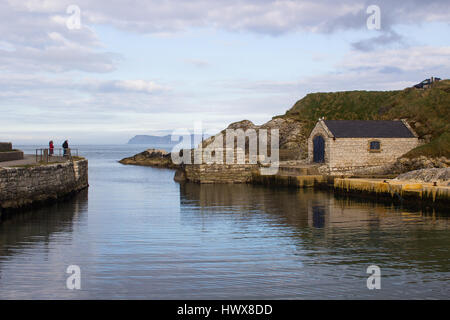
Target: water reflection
(38, 225)
(330, 230)
(36, 229)
(318, 213)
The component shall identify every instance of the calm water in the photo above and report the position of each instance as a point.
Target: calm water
(137, 234)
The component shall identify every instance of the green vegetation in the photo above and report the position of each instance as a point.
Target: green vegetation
(438, 147)
(426, 110)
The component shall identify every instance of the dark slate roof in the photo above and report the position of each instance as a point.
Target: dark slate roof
(368, 129)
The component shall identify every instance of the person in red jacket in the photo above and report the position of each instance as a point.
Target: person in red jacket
(50, 147)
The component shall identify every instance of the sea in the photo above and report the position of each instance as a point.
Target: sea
(135, 233)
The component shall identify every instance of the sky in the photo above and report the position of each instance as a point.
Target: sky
(100, 72)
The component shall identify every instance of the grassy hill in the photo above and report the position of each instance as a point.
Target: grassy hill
(426, 110)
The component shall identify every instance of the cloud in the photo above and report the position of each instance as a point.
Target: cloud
(40, 60)
(412, 59)
(35, 38)
(260, 16)
(35, 35)
(383, 40)
(58, 94)
(197, 63)
(373, 70)
(59, 58)
(130, 86)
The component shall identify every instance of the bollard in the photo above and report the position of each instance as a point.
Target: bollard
(46, 155)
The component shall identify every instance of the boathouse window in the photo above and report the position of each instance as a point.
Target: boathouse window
(374, 146)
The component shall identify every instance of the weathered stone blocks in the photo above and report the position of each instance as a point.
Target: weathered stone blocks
(8, 154)
(24, 186)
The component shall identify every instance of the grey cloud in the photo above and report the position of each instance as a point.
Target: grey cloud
(268, 16)
(386, 39)
(62, 93)
(35, 38)
(58, 59)
(260, 16)
(389, 69)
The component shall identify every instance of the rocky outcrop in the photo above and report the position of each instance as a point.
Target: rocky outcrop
(292, 143)
(152, 158)
(404, 165)
(438, 175)
(244, 125)
(293, 140)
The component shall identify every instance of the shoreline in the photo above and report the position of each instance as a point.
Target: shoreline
(408, 193)
(413, 194)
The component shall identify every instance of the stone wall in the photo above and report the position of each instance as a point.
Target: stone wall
(8, 154)
(24, 186)
(352, 153)
(11, 155)
(5, 146)
(219, 173)
(345, 155)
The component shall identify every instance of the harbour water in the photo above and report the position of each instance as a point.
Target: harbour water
(137, 234)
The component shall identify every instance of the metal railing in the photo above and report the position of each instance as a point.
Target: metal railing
(55, 154)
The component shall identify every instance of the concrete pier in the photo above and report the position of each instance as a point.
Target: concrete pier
(419, 193)
(402, 190)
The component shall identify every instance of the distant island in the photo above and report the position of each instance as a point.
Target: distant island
(156, 140)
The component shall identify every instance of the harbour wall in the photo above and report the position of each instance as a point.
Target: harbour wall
(411, 192)
(404, 192)
(27, 186)
(220, 173)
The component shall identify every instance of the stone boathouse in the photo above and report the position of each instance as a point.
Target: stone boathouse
(344, 146)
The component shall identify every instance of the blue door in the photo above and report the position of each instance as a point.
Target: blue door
(319, 149)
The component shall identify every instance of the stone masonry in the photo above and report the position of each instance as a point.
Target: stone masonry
(8, 154)
(219, 173)
(346, 155)
(23, 186)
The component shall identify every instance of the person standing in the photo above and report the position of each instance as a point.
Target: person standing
(65, 147)
(51, 147)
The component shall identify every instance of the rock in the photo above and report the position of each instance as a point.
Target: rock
(293, 141)
(244, 125)
(292, 144)
(180, 176)
(405, 165)
(441, 175)
(152, 158)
